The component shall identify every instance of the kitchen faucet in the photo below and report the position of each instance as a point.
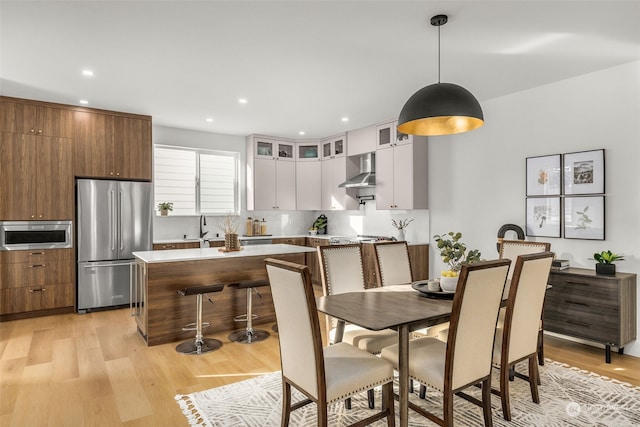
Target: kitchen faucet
(203, 221)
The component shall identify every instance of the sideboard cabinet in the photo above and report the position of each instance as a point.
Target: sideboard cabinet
(594, 307)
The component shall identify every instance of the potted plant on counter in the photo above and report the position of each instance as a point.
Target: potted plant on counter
(605, 262)
(165, 207)
(454, 253)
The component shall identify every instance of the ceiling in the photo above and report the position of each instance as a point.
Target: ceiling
(301, 65)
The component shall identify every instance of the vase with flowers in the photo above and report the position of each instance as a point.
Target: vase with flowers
(454, 253)
(229, 227)
(401, 225)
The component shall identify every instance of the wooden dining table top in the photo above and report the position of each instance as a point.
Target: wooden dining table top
(386, 308)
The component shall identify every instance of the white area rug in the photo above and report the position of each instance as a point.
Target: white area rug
(568, 397)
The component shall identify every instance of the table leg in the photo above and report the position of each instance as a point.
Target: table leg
(403, 374)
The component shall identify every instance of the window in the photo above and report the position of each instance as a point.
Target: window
(196, 181)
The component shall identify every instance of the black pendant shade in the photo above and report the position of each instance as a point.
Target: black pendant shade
(440, 109)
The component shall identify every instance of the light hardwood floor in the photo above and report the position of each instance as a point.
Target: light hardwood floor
(94, 369)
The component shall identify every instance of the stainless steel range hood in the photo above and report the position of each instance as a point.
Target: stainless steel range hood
(367, 175)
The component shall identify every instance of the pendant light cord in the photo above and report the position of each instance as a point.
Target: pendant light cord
(438, 54)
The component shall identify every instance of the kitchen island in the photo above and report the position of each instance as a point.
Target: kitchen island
(161, 313)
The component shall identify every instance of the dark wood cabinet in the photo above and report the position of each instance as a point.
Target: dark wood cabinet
(36, 280)
(36, 175)
(110, 146)
(29, 118)
(583, 304)
(176, 245)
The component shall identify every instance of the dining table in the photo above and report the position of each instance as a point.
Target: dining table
(397, 307)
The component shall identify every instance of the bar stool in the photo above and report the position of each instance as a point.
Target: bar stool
(200, 345)
(249, 335)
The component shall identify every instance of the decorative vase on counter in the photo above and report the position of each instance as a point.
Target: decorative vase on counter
(401, 235)
(231, 242)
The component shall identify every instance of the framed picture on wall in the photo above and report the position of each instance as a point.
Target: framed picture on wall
(544, 175)
(543, 216)
(584, 172)
(584, 218)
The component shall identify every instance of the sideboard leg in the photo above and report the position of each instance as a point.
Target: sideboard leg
(620, 350)
(607, 357)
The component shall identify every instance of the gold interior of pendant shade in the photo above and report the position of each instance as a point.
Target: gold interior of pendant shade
(446, 125)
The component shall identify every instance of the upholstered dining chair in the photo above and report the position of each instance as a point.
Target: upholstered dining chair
(465, 359)
(323, 375)
(516, 339)
(392, 263)
(510, 249)
(393, 267)
(341, 271)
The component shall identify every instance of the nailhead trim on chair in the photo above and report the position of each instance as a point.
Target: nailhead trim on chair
(361, 389)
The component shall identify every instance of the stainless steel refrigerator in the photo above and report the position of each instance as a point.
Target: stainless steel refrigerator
(114, 220)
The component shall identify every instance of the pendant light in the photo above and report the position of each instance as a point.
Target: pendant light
(440, 108)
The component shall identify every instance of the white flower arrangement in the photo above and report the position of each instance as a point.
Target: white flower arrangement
(228, 225)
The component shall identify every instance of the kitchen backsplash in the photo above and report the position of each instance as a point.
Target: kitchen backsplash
(367, 220)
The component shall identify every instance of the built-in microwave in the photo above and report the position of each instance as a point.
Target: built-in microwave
(27, 235)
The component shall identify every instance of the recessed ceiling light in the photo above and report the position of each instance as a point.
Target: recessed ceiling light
(87, 73)
(301, 132)
(242, 100)
(84, 102)
(209, 119)
(345, 119)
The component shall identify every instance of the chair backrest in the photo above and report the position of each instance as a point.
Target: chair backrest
(392, 263)
(298, 325)
(512, 248)
(473, 322)
(524, 305)
(341, 268)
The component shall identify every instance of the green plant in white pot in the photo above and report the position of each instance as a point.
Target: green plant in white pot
(454, 253)
(605, 262)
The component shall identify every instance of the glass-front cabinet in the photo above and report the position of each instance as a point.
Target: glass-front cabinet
(334, 147)
(308, 151)
(387, 135)
(273, 149)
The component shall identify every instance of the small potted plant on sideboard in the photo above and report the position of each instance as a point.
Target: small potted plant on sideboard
(605, 262)
(454, 253)
(165, 207)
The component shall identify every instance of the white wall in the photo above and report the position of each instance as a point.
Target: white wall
(477, 180)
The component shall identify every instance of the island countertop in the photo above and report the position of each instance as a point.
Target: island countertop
(176, 255)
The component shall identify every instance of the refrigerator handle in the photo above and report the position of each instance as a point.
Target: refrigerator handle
(132, 283)
(120, 220)
(112, 209)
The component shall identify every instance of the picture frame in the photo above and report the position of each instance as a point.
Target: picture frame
(584, 217)
(583, 172)
(544, 175)
(543, 217)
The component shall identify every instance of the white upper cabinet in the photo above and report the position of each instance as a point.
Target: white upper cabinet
(308, 176)
(334, 147)
(271, 174)
(308, 151)
(401, 170)
(361, 141)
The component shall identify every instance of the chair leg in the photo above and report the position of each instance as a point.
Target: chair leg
(541, 348)
(347, 403)
(286, 403)
(371, 398)
(322, 414)
(486, 402)
(447, 409)
(410, 386)
(534, 377)
(423, 391)
(505, 376)
(387, 404)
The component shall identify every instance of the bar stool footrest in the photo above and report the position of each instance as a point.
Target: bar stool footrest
(194, 326)
(244, 317)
